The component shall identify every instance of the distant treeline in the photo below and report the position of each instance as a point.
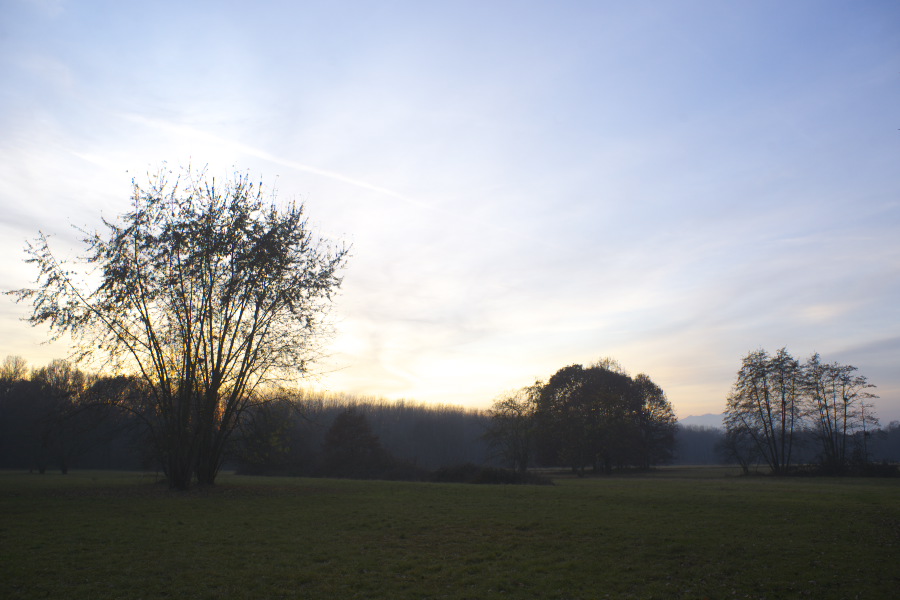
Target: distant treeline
(306, 433)
(702, 445)
(59, 417)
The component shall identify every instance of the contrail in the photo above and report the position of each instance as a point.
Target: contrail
(262, 154)
(333, 175)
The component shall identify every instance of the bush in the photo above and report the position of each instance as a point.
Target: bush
(470, 473)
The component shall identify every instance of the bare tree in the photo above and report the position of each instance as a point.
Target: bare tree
(13, 369)
(205, 290)
(738, 445)
(838, 408)
(774, 398)
(765, 404)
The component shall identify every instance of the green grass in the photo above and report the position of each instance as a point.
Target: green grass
(689, 533)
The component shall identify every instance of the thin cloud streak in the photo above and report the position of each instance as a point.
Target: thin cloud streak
(186, 131)
(190, 132)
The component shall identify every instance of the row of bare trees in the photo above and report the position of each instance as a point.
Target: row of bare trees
(776, 399)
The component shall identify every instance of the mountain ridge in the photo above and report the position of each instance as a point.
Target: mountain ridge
(707, 420)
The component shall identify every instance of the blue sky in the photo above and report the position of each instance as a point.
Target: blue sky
(525, 185)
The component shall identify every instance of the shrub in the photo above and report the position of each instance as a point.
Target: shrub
(471, 473)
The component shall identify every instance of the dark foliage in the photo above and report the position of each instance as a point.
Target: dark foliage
(469, 473)
(883, 445)
(601, 418)
(285, 434)
(512, 427)
(301, 435)
(267, 441)
(867, 469)
(57, 416)
(352, 450)
(96, 425)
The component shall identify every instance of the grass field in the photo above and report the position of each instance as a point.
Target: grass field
(678, 533)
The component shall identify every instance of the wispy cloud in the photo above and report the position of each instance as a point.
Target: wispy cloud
(187, 131)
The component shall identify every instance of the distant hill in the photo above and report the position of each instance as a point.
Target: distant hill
(709, 420)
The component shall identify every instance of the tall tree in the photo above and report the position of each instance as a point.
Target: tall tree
(205, 290)
(511, 429)
(65, 423)
(838, 408)
(19, 414)
(765, 404)
(655, 423)
(567, 425)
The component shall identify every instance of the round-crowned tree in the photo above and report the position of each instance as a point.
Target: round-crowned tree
(205, 290)
(600, 417)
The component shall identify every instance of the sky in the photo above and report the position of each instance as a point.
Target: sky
(524, 185)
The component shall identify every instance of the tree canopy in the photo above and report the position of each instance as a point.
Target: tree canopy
(511, 428)
(596, 416)
(206, 289)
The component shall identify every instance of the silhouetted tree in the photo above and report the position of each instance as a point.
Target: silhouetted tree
(602, 418)
(120, 406)
(46, 415)
(568, 425)
(351, 449)
(65, 423)
(766, 404)
(20, 413)
(281, 433)
(418, 435)
(838, 409)
(776, 401)
(13, 368)
(204, 290)
(739, 446)
(268, 441)
(511, 430)
(655, 422)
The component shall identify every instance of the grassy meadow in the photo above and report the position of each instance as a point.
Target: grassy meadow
(676, 533)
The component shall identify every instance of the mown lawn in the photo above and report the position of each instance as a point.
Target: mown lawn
(677, 534)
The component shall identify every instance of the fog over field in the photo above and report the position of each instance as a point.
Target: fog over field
(525, 185)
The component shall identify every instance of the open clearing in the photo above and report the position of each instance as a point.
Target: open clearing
(677, 533)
